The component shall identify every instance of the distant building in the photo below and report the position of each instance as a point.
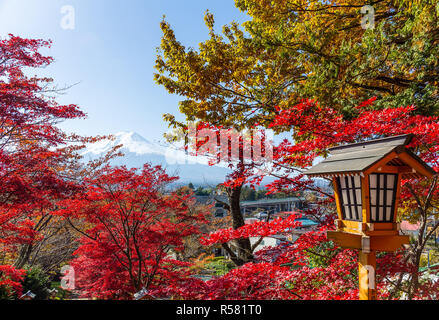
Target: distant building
(263, 207)
(409, 229)
(275, 208)
(273, 241)
(291, 236)
(29, 295)
(218, 208)
(272, 206)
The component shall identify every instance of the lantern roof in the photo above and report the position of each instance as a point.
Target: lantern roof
(365, 157)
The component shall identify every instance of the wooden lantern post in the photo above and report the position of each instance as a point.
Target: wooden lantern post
(367, 178)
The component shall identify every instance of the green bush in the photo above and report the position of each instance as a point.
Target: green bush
(220, 266)
(5, 294)
(423, 261)
(61, 294)
(37, 281)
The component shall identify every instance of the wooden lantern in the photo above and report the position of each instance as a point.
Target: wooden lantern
(366, 177)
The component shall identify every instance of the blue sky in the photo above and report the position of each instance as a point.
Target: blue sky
(111, 54)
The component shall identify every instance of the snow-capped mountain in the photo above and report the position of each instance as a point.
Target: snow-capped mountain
(137, 151)
(131, 141)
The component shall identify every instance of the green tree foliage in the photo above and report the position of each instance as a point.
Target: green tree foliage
(248, 194)
(344, 63)
(37, 282)
(295, 49)
(200, 191)
(229, 81)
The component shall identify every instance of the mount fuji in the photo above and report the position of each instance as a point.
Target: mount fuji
(137, 151)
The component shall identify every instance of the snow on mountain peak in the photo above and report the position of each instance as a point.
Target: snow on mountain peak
(130, 141)
(130, 136)
(134, 144)
(138, 151)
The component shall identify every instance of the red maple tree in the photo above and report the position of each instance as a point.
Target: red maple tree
(313, 267)
(131, 227)
(32, 148)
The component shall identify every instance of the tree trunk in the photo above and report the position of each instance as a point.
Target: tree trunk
(424, 207)
(24, 256)
(243, 252)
